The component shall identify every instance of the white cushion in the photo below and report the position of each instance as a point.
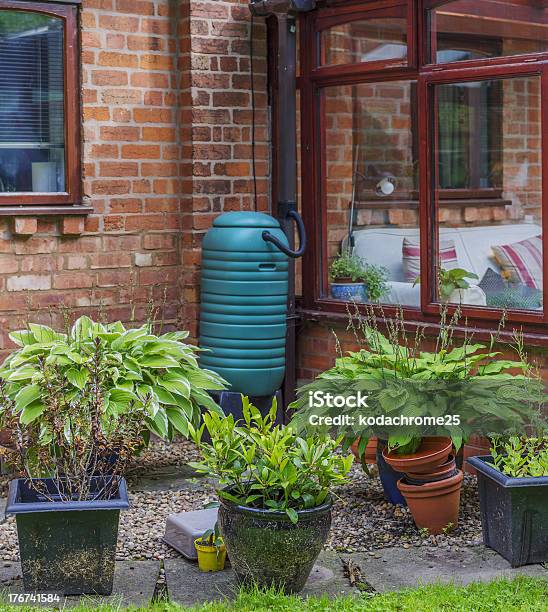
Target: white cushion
(383, 246)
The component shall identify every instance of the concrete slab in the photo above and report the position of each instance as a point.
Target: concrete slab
(187, 585)
(174, 478)
(392, 569)
(134, 585)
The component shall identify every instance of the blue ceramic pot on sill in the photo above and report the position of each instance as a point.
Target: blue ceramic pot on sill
(349, 292)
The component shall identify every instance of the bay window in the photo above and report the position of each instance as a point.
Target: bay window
(39, 111)
(426, 136)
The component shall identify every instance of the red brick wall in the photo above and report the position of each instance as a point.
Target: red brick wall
(166, 146)
(218, 107)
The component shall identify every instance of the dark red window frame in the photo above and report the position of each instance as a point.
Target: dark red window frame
(72, 194)
(314, 77)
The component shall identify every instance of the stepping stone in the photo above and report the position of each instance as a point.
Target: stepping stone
(134, 585)
(393, 569)
(188, 586)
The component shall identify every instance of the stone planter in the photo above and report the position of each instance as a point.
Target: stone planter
(267, 549)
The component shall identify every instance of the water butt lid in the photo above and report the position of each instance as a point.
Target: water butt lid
(246, 219)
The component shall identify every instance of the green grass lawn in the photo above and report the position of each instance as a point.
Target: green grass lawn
(519, 595)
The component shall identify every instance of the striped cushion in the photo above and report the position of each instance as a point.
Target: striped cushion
(411, 252)
(521, 262)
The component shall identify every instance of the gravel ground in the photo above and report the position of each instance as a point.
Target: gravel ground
(362, 520)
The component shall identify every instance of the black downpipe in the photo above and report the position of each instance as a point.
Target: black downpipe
(287, 178)
(285, 12)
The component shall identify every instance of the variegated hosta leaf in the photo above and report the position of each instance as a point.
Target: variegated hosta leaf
(144, 371)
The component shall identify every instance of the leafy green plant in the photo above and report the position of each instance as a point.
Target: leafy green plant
(263, 465)
(520, 456)
(213, 539)
(451, 280)
(156, 373)
(351, 268)
(70, 437)
(469, 380)
(347, 267)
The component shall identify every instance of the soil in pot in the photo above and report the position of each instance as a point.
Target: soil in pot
(267, 549)
(434, 505)
(433, 452)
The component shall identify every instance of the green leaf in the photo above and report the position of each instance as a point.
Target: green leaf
(177, 420)
(158, 361)
(22, 338)
(293, 516)
(31, 412)
(24, 373)
(27, 395)
(82, 329)
(78, 378)
(43, 334)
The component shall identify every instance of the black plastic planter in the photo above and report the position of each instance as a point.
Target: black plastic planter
(514, 513)
(267, 549)
(67, 548)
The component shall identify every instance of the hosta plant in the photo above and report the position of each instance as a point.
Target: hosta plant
(455, 389)
(263, 465)
(157, 374)
(76, 441)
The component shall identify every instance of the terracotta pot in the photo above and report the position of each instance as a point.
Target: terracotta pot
(446, 470)
(370, 451)
(434, 505)
(477, 446)
(432, 453)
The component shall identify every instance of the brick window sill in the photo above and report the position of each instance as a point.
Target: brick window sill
(25, 218)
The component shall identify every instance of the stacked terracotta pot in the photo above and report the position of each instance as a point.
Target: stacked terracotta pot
(432, 483)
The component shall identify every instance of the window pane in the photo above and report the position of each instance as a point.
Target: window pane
(370, 40)
(489, 191)
(32, 140)
(464, 30)
(371, 152)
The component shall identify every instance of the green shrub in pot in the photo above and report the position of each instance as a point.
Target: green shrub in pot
(353, 279)
(140, 367)
(274, 490)
(78, 406)
(71, 456)
(513, 489)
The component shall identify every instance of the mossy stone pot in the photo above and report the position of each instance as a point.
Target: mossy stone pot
(67, 547)
(267, 549)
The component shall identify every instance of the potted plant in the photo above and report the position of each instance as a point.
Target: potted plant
(211, 550)
(353, 279)
(444, 394)
(141, 368)
(71, 456)
(79, 405)
(513, 491)
(274, 492)
(453, 287)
